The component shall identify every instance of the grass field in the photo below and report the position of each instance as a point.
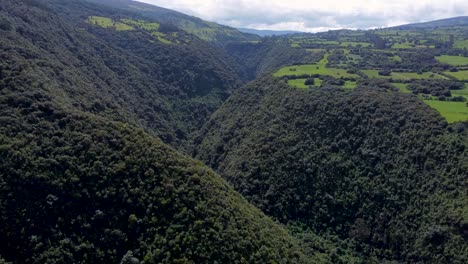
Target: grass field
(460, 44)
(403, 75)
(108, 23)
(463, 92)
(460, 75)
(452, 111)
(349, 85)
(404, 45)
(354, 44)
(318, 68)
(453, 60)
(402, 86)
(142, 24)
(299, 83)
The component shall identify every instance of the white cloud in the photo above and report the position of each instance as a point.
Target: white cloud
(316, 15)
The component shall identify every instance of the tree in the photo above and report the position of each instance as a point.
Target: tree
(309, 81)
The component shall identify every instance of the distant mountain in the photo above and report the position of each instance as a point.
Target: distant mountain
(205, 30)
(447, 22)
(267, 33)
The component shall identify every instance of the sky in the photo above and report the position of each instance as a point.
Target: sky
(316, 15)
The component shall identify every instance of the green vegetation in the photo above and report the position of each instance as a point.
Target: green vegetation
(204, 30)
(128, 24)
(463, 92)
(453, 60)
(333, 161)
(80, 179)
(100, 120)
(300, 83)
(354, 44)
(460, 75)
(312, 69)
(350, 85)
(461, 44)
(108, 23)
(403, 75)
(101, 21)
(403, 87)
(452, 111)
(150, 26)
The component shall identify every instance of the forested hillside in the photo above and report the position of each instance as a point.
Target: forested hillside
(375, 167)
(127, 75)
(256, 59)
(82, 182)
(131, 133)
(205, 30)
(76, 188)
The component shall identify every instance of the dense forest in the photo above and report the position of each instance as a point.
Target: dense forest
(359, 165)
(131, 133)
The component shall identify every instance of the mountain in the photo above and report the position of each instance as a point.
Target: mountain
(205, 30)
(267, 33)
(447, 22)
(86, 92)
(357, 165)
(150, 74)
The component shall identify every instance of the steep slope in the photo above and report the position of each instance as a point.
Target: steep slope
(257, 59)
(372, 166)
(205, 30)
(78, 186)
(128, 75)
(75, 188)
(447, 22)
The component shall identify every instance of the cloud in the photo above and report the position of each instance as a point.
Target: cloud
(316, 15)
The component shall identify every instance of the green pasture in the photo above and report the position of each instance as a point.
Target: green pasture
(317, 68)
(461, 44)
(108, 23)
(354, 44)
(460, 75)
(453, 60)
(452, 111)
(403, 75)
(463, 92)
(403, 87)
(142, 24)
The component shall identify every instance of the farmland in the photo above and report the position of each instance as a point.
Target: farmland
(314, 69)
(403, 75)
(453, 60)
(460, 75)
(431, 64)
(452, 111)
(130, 25)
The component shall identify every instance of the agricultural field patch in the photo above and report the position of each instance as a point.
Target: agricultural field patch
(461, 44)
(453, 60)
(463, 92)
(129, 24)
(403, 87)
(459, 75)
(355, 44)
(142, 24)
(311, 69)
(403, 75)
(452, 111)
(108, 23)
(300, 83)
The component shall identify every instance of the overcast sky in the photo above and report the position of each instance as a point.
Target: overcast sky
(316, 15)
